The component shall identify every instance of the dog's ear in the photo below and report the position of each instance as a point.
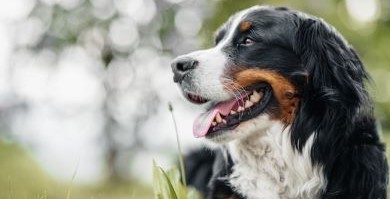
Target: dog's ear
(330, 62)
(335, 109)
(334, 90)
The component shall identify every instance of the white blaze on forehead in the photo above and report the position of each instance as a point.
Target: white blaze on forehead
(238, 18)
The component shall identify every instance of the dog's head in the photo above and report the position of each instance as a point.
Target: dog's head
(271, 65)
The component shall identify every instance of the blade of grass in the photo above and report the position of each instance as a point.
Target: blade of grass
(10, 190)
(163, 187)
(68, 192)
(156, 181)
(172, 192)
(181, 161)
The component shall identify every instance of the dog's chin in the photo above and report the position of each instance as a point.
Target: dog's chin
(256, 126)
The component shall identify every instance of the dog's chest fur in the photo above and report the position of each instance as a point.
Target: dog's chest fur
(267, 167)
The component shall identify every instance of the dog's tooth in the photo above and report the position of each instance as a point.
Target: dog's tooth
(224, 121)
(240, 108)
(248, 104)
(232, 112)
(261, 94)
(213, 123)
(218, 118)
(255, 98)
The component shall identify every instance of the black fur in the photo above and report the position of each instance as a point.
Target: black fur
(334, 104)
(336, 107)
(208, 172)
(198, 167)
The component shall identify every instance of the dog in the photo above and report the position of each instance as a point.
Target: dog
(288, 111)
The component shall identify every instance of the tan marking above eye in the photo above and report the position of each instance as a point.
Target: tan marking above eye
(284, 90)
(245, 25)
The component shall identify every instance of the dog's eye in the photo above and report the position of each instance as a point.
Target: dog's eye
(247, 42)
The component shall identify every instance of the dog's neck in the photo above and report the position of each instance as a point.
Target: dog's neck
(266, 166)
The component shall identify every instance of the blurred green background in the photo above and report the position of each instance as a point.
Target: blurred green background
(365, 24)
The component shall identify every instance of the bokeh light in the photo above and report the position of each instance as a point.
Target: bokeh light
(363, 10)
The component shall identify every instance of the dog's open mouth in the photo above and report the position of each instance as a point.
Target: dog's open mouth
(196, 99)
(227, 115)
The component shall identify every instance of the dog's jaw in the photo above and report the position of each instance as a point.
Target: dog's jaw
(257, 125)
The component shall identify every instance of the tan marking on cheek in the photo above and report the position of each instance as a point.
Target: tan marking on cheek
(245, 25)
(284, 91)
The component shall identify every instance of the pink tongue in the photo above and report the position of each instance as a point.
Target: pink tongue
(203, 121)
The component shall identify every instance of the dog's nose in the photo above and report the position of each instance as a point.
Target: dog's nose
(182, 66)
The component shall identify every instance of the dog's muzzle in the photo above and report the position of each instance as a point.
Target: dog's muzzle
(181, 67)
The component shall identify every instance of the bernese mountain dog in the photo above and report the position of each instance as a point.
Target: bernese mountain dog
(287, 110)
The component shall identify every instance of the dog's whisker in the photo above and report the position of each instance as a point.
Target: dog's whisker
(239, 89)
(234, 91)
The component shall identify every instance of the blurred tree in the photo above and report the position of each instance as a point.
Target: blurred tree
(103, 29)
(123, 47)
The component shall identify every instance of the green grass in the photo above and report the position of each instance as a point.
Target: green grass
(21, 177)
(168, 185)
